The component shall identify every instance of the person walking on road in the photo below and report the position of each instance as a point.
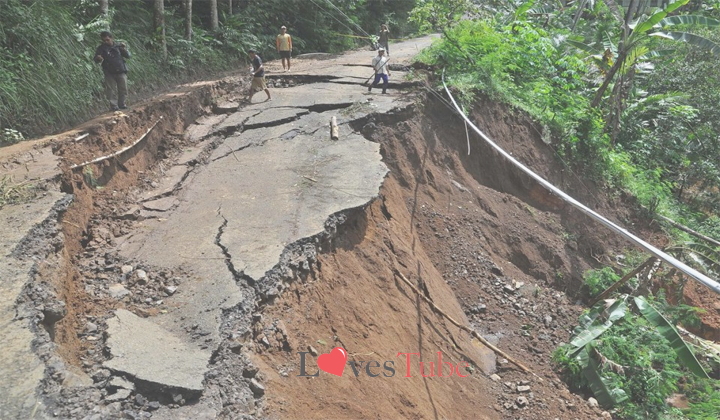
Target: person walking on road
(384, 38)
(258, 72)
(283, 42)
(112, 56)
(380, 65)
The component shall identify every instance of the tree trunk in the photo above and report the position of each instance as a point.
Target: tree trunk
(608, 78)
(230, 7)
(187, 5)
(213, 15)
(104, 7)
(622, 53)
(159, 21)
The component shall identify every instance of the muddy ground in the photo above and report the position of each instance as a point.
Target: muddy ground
(487, 245)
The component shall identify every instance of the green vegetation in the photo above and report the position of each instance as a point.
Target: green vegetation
(628, 96)
(633, 360)
(607, 94)
(48, 79)
(599, 280)
(12, 192)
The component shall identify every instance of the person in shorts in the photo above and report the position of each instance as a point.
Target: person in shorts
(258, 72)
(283, 42)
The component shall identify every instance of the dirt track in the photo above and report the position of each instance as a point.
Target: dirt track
(249, 236)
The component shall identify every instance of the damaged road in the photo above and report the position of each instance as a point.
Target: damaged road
(173, 270)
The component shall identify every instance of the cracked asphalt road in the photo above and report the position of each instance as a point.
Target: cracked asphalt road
(275, 179)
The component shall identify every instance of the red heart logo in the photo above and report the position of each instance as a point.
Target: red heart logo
(334, 362)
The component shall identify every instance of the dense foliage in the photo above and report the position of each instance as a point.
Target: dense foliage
(48, 79)
(634, 365)
(627, 95)
(632, 105)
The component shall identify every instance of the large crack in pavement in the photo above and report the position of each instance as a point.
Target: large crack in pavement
(238, 226)
(237, 274)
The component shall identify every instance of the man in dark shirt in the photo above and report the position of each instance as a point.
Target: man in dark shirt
(112, 56)
(258, 72)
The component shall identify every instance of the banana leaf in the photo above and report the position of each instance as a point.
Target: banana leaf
(690, 20)
(523, 8)
(667, 330)
(601, 386)
(691, 39)
(582, 46)
(588, 332)
(657, 17)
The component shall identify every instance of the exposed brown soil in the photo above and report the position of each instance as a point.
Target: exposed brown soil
(467, 230)
(488, 245)
(92, 207)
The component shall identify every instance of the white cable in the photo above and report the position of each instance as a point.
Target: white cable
(707, 281)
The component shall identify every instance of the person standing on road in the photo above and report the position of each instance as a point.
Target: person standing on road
(283, 42)
(380, 65)
(384, 38)
(258, 72)
(112, 56)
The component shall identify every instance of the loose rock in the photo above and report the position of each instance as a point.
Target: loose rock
(118, 291)
(257, 388)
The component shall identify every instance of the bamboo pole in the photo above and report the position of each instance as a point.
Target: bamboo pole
(101, 158)
(464, 328)
(334, 130)
(690, 231)
(622, 281)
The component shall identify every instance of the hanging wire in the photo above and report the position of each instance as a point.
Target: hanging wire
(696, 275)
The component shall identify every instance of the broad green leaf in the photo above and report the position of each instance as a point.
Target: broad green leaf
(658, 16)
(582, 46)
(520, 13)
(601, 386)
(667, 330)
(691, 39)
(694, 20)
(588, 332)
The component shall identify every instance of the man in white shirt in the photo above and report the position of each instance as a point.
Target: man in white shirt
(380, 65)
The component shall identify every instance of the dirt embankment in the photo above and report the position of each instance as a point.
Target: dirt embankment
(490, 247)
(487, 245)
(61, 277)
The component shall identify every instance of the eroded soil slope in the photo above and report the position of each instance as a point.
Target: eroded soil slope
(488, 246)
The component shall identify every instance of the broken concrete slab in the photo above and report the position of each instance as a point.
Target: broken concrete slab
(274, 116)
(226, 107)
(118, 382)
(167, 184)
(20, 369)
(307, 124)
(145, 351)
(235, 121)
(191, 154)
(203, 127)
(120, 395)
(161, 204)
(304, 181)
(211, 289)
(118, 291)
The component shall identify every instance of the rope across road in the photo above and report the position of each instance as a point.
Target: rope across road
(696, 275)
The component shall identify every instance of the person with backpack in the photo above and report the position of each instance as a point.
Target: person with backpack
(112, 57)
